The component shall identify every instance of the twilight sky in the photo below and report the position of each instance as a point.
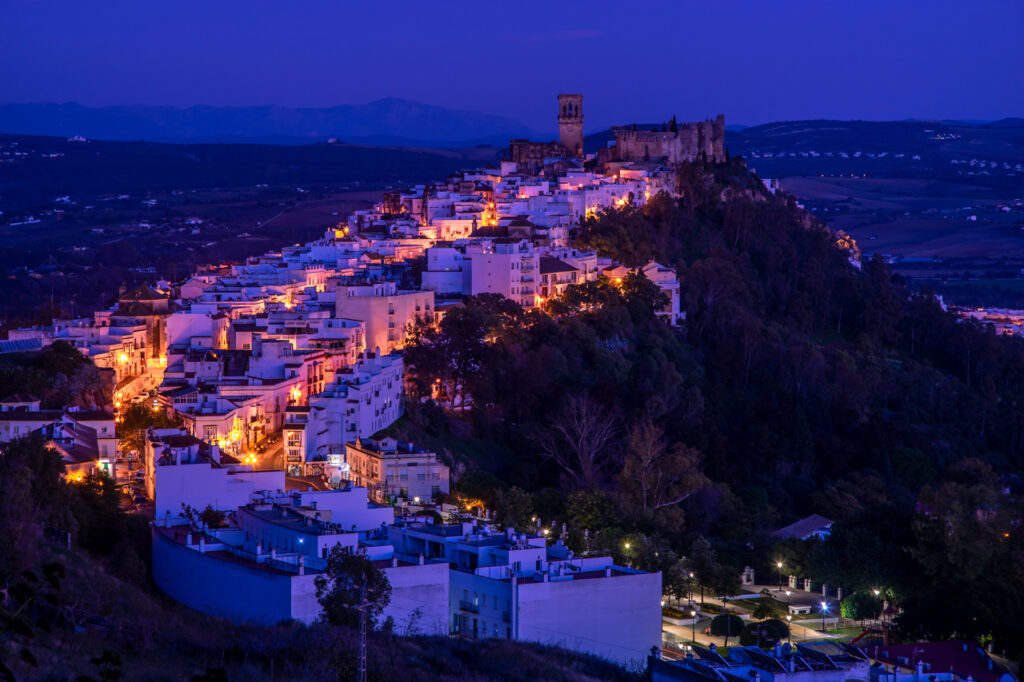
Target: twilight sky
(754, 60)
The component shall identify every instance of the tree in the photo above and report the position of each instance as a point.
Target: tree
(766, 607)
(590, 509)
(514, 508)
(350, 581)
(656, 476)
(726, 625)
(213, 518)
(861, 606)
(703, 564)
(134, 421)
(764, 634)
(579, 439)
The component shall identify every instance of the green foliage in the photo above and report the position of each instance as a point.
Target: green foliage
(767, 608)
(350, 582)
(478, 485)
(58, 375)
(793, 554)
(726, 625)
(591, 509)
(861, 606)
(135, 420)
(764, 634)
(514, 508)
(799, 384)
(213, 518)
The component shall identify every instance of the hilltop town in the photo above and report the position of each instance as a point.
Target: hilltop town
(274, 417)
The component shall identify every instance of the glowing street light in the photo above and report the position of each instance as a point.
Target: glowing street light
(824, 610)
(779, 565)
(693, 625)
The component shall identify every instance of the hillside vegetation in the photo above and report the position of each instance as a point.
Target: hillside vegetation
(85, 609)
(800, 384)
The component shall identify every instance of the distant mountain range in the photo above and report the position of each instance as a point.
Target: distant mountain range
(390, 122)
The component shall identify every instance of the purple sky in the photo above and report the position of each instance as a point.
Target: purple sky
(755, 60)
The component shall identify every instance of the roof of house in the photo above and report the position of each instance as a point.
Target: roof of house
(31, 416)
(181, 441)
(90, 415)
(142, 293)
(490, 231)
(20, 345)
(962, 657)
(521, 221)
(804, 528)
(20, 398)
(549, 265)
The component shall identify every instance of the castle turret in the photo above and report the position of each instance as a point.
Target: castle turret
(570, 124)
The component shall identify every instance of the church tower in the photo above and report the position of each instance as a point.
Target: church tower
(570, 124)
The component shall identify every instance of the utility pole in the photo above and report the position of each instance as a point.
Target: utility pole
(361, 676)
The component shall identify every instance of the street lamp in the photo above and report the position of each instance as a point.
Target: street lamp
(693, 626)
(789, 628)
(824, 610)
(779, 565)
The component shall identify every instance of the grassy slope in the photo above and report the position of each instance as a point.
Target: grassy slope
(157, 639)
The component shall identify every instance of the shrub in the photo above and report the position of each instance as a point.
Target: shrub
(726, 624)
(764, 633)
(861, 606)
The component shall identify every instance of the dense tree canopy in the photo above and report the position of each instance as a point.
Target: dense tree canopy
(800, 383)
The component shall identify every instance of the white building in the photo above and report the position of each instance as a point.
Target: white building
(384, 309)
(362, 400)
(181, 470)
(510, 586)
(390, 470)
(263, 570)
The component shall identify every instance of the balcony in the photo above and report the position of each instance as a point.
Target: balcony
(469, 606)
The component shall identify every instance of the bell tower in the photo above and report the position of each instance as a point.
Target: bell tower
(570, 124)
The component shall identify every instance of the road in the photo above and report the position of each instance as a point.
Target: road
(799, 630)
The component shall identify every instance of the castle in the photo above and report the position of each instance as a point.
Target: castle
(675, 143)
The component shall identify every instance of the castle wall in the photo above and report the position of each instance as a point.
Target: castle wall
(692, 140)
